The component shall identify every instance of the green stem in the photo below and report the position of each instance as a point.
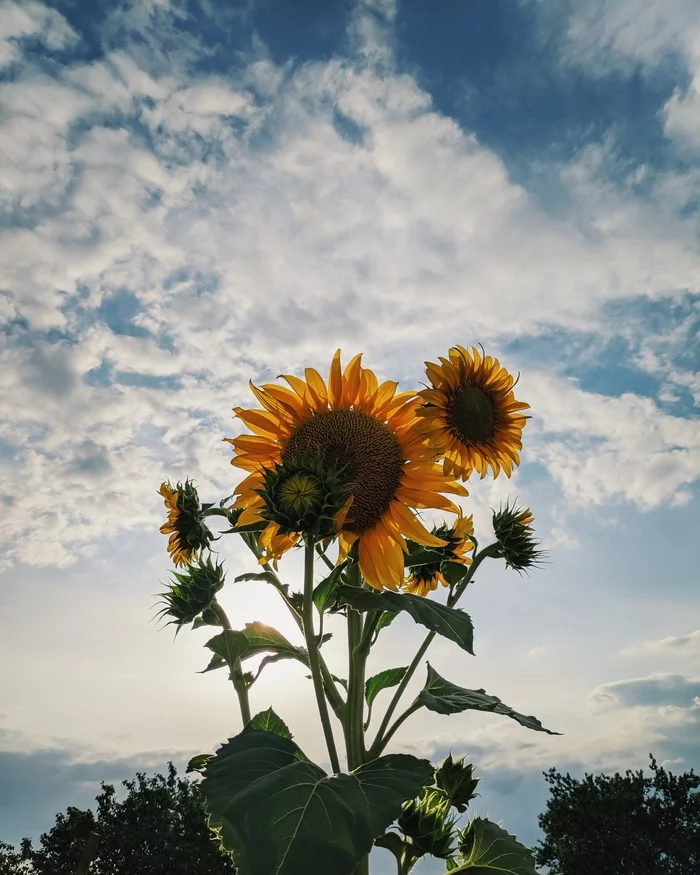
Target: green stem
(357, 659)
(382, 738)
(334, 697)
(314, 662)
(363, 866)
(237, 678)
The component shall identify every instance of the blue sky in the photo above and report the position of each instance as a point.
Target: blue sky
(200, 193)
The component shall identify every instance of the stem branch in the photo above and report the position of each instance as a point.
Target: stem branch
(383, 736)
(237, 678)
(314, 662)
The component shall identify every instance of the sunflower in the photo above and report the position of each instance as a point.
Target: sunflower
(188, 533)
(471, 415)
(425, 577)
(367, 433)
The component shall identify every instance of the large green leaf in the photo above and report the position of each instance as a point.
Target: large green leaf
(255, 638)
(487, 849)
(447, 698)
(282, 815)
(270, 722)
(390, 677)
(449, 622)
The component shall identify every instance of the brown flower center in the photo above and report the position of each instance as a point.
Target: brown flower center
(471, 415)
(366, 450)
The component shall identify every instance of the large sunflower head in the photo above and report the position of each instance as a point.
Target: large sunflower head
(441, 564)
(471, 415)
(366, 434)
(189, 534)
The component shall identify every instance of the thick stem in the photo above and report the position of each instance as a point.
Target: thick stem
(382, 737)
(357, 659)
(314, 663)
(237, 678)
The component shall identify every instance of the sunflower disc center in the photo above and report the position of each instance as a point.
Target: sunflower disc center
(471, 415)
(366, 452)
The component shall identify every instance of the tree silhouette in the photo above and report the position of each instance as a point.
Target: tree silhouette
(622, 825)
(158, 828)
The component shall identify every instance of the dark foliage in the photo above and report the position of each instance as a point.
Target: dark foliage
(158, 828)
(622, 825)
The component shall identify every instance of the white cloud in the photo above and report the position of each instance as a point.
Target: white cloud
(671, 645)
(250, 259)
(656, 690)
(601, 449)
(31, 19)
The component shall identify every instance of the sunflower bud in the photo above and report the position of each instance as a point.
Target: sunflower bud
(514, 529)
(428, 823)
(192, 593)
(457, 781)
(301, 495)
(445, 565)
(189, 534)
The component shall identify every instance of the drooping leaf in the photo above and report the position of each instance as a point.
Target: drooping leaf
(270, 722)
(444, 697)
(451, 623)
(277, 812)
(325, 593)
(197, 763)
(390, 677)
(487, 849)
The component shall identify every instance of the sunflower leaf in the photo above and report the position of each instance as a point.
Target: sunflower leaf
(451, 623)
(255, 638)
(197, 763)
(444, 697)
(270, 722)
(390, 677)
(276, 810)
(267, 576)
(325, 593)
(487, 849)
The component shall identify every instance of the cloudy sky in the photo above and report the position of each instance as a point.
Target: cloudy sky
(196, 193)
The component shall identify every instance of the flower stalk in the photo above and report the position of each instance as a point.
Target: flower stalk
(312, 649)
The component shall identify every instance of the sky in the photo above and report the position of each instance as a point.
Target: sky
(198, 193)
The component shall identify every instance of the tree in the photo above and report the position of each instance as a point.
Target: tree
(158, 828)
(615, 825)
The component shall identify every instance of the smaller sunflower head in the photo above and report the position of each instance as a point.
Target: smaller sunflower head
(457, 781)
(191, 593)
(303, 496)
(515, 532)
(470, 414)
(445, 565)
(189, 534)
(427, 821)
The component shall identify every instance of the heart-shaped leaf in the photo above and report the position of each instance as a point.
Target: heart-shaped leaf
(449, 622)
(446, 698)
(487, 849)
(390, 677)
(270, 722)
(277, 811)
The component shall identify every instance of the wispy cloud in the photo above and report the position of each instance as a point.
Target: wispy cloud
(671, 645)
(655, 690)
